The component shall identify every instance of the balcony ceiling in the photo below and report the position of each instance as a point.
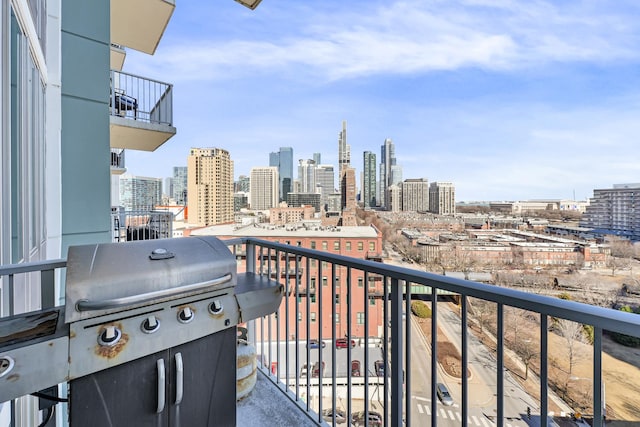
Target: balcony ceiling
(138, 135)
(117, 58)
(140, 24)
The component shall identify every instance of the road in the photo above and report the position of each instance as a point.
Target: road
(482, 384)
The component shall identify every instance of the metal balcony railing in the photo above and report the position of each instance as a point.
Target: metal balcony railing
(142, 99)
(299, 354)
(141, 225)
(117, 158)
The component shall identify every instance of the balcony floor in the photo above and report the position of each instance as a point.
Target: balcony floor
(266, 405)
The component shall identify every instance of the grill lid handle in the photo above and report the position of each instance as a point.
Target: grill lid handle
(86, 305)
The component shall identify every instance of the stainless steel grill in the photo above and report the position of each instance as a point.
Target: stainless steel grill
(173, 303)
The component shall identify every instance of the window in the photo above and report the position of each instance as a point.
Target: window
(337, 318)
(324, 280)
(299, 243)
(372, 283)
(372, 246)
(337, 298)
(360, 282)
(360, 318)
(372, 301)
(324, 245)
(313, 298)
(348, 246)
(337, 280)
(360, 246)
(313, 245)
(313, 263)
(313, 283)
(313, 316)
(336, 245)
(299, 317)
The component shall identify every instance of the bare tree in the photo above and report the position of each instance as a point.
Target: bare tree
(572, 332)
(528, 352)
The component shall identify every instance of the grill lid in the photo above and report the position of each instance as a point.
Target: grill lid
(112, 277)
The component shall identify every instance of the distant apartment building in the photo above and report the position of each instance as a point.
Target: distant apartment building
(358, 242)
(282, 216)
(264, 188)
(394, 198)
(344, 150)
(369, 195)
(296, 200)
(415, 195)
(243, 184)
(179, 181)
(390, 171)
(283, 160)
(615, 211)
(140, 193)
(209, 186)
(442, 198)
(240, 201)
(325, 182)
(348, 196)
(307, 176)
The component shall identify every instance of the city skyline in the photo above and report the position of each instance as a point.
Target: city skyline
(509, 101)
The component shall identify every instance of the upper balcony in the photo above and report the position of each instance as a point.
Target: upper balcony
(117, 161)
(140, 24)
(141, 112)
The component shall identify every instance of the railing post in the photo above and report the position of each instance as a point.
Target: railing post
(250, 250)
(47, 289)
(396, 352)
(599, 403)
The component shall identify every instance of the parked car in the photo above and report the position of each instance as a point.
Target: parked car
(358, 418)
(315, 344)
(342, 343)
(355, 368)
(341, 416)
(444, 395)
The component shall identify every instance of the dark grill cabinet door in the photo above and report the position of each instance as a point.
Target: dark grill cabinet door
(128, 394)
(209, 378)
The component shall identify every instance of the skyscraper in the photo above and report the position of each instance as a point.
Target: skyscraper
(369, 180)
(415, 195)
(307, 176)
(390, 172)
(179, 191)
(344, 150)
(317, 157)
(348, 196)
(325, 182)
(140, 193)
(209, 186)
(283, 160)
(442, 198)
(264, 188)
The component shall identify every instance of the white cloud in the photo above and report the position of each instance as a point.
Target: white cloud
(416, 37)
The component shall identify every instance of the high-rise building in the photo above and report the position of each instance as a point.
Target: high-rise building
(415, 195)
(283, 160)
(307, 176)
(325, 182)
(264, 188)
(442, 198)
(369, 180)
(209, 186)
(348, 189)
(390, 171)
(615, 211)
(317, 157)
(140, 193)
(344, 150)
(296, 200)
(179, 191)
(243, 184)
(395, 198)
(167, 187)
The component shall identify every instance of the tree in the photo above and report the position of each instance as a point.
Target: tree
(572, 332)
(528, 352)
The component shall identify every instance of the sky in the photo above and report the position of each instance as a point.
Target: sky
(509, 100)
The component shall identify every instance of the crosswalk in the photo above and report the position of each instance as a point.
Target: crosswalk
(452, 414)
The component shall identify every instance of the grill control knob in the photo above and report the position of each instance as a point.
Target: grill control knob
(216, 307)
(150, 325)
(110, 336)
(185, 315)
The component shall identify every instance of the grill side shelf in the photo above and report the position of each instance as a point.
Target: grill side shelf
(257, 296)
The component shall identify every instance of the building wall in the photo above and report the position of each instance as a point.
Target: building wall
(179, 189)
(320, 277)
(615, 211)
(85, 136)
(264, 188)
(210, 186)
(442, 199)
(415, 195)
(140, 193)
(281, 216)
(369, 196)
